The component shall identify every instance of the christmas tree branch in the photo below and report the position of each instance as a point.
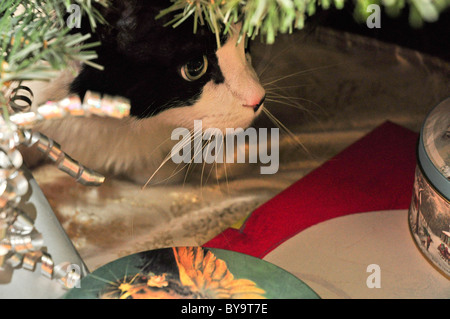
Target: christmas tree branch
(35, 40)
(267, 18)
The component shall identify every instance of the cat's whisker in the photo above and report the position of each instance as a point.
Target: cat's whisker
(287, 97)
(278, 79)
(275, 87)
(186, 166)
(278, 123)
(276, 56)
(225, 171)
(203, 167)
(283, 91)
(302, 72)
(200, 151)
(276, 92)
(295, 104)
(209, 174)
(165, 160)
(216, 165)
(288, 103)
(160, 145)
(283, 127)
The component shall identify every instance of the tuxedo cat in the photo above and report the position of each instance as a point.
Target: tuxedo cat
(171, 77)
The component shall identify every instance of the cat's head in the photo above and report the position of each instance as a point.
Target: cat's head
(172, 73)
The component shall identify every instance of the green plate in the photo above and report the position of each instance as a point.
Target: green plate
(191, 272)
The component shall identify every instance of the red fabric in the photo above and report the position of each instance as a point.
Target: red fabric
(375, 173)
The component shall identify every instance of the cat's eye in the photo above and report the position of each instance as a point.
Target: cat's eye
(194, 69)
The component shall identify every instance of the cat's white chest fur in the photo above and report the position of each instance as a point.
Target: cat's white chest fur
(127, 147)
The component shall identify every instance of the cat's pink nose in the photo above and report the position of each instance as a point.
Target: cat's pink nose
(257, 104)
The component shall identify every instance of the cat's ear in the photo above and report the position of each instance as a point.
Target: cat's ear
(121, 18)
(132, 20)
(103, 30)
(125, 24)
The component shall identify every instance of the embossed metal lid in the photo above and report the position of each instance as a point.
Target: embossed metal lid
(434, 148)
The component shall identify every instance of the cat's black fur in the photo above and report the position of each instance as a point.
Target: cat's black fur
(142, 58)
(146, 62)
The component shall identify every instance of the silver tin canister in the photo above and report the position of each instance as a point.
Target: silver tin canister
(429, 213)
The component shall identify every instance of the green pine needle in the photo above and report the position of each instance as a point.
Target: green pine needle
(267, 18)
(35, 40)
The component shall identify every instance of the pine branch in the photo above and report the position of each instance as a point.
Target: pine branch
(267, 18)
(35, 40)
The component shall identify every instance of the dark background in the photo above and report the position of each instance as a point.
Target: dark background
(432, 38)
